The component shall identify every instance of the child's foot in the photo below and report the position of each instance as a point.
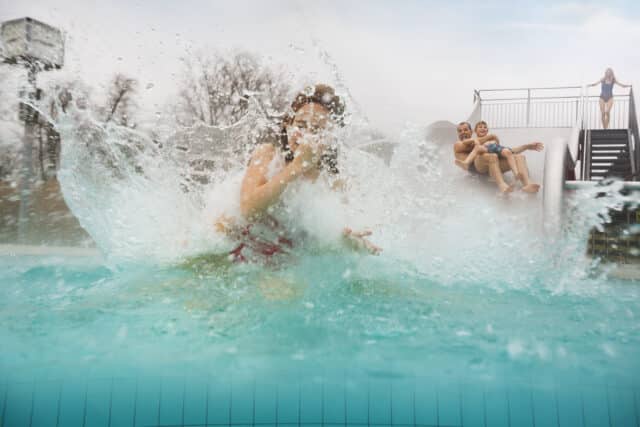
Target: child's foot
(504, 188)
(531, 188)
(462, 164)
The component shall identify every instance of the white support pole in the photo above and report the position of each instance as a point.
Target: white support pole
(26, 173)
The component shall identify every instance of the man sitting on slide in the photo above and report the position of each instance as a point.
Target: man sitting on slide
(490, 163)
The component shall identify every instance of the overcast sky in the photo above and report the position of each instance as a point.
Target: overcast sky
(402, 61)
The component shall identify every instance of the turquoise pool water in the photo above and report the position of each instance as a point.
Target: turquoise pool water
(334, 339)
(474, 314)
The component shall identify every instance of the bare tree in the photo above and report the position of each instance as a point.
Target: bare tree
(215, 89)
(120, 105)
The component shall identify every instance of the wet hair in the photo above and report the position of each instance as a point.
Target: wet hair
(481, 122)
(323, 95)
(465, 123)
(613, 76)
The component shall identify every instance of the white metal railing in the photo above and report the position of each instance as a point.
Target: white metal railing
(619, 115)
(548, 107)
(634, 136)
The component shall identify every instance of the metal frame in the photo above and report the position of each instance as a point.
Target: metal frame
(634, 143)
(558, 106)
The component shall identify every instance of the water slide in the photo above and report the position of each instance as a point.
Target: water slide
(561, 141)
(566, 120)
(547, 168)
(579, 154)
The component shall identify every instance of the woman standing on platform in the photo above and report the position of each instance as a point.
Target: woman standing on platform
(606, 95)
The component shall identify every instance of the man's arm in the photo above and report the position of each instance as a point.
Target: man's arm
(482, 140)
(535, 146)
(487, 138)
(463, 146)
(466, 145)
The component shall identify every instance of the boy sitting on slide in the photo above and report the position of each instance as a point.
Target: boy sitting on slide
(486, 143)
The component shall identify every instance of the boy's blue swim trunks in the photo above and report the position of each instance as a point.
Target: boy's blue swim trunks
(496, 148)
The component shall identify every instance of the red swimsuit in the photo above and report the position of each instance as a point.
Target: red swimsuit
(254, 247)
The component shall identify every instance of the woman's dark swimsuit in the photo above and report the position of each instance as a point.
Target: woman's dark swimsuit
(607, 91)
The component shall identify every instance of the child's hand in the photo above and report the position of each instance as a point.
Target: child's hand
(303, 160)
(536, 146)
(358, 241)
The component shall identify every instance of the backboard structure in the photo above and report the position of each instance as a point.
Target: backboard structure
(32, 43)
(36, 46)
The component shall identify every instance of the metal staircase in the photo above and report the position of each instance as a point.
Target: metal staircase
(609, 154)
(614, 154)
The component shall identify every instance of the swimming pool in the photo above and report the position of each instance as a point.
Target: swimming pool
(335, 339)
(474, 314)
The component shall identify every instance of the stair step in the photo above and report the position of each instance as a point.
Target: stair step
(610, 154)
(621, 174)
(622, 163)
(608, 160)
(609, 132)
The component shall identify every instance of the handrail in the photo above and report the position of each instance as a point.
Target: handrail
(528, 88)
(548, 98)
(635, 134)
(586, 136)
(556, 107)
(581, 151)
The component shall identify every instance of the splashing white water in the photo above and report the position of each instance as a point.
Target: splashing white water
(142, 202)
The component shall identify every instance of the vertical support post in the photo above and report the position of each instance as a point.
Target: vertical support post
(528, 107)
(28, 114)
(478, 98)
